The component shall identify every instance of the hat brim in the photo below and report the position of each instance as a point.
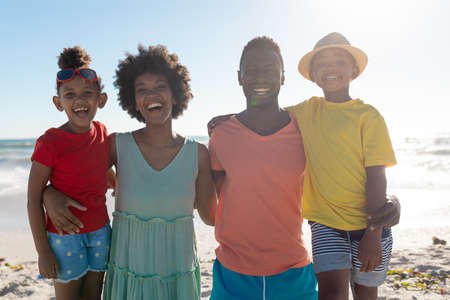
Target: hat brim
(359, 56)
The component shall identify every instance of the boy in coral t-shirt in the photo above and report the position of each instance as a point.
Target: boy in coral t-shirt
(258, 165)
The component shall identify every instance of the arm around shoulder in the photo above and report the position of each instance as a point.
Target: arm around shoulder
(205, 195)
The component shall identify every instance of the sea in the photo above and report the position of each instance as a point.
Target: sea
(421, 180)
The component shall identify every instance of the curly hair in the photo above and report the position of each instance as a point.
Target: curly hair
(262, 42)
(154, 60)
(75, 58)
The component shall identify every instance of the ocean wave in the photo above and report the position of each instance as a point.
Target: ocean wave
(423, 180)
(438, 147)
(434, 165)
(17, 144)
(13, 180)
(442, 141)
(431, 151)
(439, 152)
(15, 161)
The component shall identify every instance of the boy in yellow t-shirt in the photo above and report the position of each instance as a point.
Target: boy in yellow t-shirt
(347, 148)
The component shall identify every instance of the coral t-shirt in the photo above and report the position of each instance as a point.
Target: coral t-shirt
(79, 163)
(259, 220)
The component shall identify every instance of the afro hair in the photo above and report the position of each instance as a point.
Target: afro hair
(154, 60)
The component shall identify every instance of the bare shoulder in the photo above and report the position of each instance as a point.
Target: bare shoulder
(203, 152)
(112, 136)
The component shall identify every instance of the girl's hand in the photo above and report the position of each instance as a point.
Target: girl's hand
(217, 121)
(48, 265)
(370, 251)
(111, 181)
(57, 207)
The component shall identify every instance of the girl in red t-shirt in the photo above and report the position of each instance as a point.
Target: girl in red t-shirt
(74, 158)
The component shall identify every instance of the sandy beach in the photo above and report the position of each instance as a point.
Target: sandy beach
(420, 269)
(427, 278)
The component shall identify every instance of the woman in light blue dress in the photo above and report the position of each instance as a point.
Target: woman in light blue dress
(161, 178)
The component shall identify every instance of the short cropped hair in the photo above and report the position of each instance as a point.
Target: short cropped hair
(263, 42)
(154, 60)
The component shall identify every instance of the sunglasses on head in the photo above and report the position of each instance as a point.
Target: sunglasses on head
(68, 74)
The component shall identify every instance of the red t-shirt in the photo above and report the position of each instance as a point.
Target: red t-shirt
(79, 163)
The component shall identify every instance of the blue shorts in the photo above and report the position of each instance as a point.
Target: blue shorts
(79, 253)
(295, 283)
(335, 249)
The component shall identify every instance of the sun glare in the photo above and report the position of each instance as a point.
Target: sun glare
(371, 16)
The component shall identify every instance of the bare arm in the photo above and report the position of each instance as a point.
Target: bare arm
(39, 175)
(111, 174)
(57, 206)
(375, 188)
(370, 245)
(218, 177)
(112, 150)
(205, 195)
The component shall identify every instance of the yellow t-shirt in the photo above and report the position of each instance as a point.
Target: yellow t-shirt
(340, 140)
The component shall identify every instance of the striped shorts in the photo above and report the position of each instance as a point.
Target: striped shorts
(335, 249)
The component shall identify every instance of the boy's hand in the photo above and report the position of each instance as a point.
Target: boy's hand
(48, 265)
(387, 216)
(217, 121)
(370, 251)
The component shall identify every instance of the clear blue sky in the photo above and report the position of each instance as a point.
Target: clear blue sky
(408, 44)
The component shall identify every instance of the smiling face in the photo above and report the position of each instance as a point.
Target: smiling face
(261, 76)
(154, 98)
(332, 70)
(79, 99)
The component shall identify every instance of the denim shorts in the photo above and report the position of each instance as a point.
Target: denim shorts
(335, 249)
(79, 253)
(295, 283)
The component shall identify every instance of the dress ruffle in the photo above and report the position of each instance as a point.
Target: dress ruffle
(155, 259)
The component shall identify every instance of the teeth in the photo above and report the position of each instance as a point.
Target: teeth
(261, 91)
(331, 77)
(153, 105)
(80, 109)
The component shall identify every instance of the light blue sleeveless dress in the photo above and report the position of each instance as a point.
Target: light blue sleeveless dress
(153, 247)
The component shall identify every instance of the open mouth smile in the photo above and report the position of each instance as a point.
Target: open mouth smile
(80, 109)
(81, 112)
(331, 78)
(154, 106)
(261, 91)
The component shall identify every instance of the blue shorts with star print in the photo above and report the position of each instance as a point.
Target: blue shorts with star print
(79, 253)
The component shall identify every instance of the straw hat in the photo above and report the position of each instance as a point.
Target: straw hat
(332, 40)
